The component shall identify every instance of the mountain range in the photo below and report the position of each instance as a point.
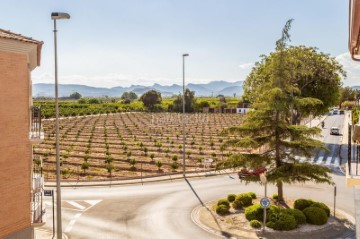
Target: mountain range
(213, 88)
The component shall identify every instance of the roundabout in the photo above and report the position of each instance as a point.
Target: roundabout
(165, 209)
(237, 226)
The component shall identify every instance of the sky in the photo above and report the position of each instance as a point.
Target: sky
(109, 43)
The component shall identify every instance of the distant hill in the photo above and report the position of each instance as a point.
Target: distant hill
(210, 89)
(356, 87)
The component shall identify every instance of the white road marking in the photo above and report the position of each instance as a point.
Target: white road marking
(72, 222)
(302, 159)
(93, 202)
(320, 160)
(336, 162)
(77, 205)
(328, 161)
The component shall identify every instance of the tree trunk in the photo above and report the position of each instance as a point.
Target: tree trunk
(279, 185)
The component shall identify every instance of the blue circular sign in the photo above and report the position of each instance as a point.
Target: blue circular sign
(265, 202)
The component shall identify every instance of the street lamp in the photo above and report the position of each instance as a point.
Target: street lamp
(57, 16)
(183, 118)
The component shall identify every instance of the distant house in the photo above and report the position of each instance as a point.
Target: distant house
(20, 127)
(243, 108)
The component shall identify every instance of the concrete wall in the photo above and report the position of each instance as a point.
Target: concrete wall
(15, 148)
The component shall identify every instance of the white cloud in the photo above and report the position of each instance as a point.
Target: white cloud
(246, 65)
(352, 69)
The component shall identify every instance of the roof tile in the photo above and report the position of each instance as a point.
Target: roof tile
(18, 37)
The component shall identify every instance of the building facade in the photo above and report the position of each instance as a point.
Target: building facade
(19, 55)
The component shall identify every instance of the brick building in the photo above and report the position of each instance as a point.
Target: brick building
(20, 127)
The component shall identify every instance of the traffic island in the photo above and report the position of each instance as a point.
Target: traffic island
(235, 225)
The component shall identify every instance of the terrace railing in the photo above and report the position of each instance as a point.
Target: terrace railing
(36, 198)
(36, 131)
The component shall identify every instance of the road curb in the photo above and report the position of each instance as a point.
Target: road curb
(137, 180)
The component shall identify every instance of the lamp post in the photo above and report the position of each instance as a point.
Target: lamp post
(183, 118)
(57, 16)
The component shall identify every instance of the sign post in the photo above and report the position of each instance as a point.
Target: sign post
(264, 202)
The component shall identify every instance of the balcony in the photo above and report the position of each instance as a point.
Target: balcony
(36, 132)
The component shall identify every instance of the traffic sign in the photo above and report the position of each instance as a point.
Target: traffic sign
(48, 192)
(265, 202)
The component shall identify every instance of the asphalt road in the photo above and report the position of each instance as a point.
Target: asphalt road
(163, 209)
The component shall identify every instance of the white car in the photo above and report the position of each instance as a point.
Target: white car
(334, 130)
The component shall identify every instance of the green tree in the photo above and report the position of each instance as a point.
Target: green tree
(129, 96)
(75, 96)
(94, 101)
(190, 101)
(349, 94)
(150, 99)
(314, 79)
(269, 128)
(159, 164)
(85, 166)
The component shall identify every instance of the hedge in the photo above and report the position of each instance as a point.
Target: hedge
(315, 215)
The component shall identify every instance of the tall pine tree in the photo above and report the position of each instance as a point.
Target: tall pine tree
(269, 131)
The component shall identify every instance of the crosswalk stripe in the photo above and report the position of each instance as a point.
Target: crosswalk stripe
(336, 162)
(77, 205)
(320, 160)
(328, 161)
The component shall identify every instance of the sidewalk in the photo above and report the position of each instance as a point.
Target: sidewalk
(316, 121)
(161, 178)
(41, 233)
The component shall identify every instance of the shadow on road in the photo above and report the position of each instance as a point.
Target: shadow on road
(223, 233)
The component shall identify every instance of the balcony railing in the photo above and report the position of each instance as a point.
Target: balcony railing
(36, 132)
(37, 209)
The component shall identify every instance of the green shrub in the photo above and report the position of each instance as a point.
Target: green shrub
(315, 215)
(223, 201)
(282, 221)
(298, 215)
(252, 195)
(222, 209)
(272, 211)
(301, 204)
(275, 196)
(242, 200)
(231, 197)
(322, 206)
(254, 212)
(255, 224)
